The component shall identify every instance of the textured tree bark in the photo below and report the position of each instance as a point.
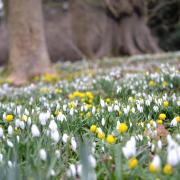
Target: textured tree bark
(28, 52)
(134, 35)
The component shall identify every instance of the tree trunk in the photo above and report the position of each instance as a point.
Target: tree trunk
(28, 52)
(134, 35)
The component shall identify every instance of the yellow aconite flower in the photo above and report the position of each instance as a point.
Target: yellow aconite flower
(9, 118)
(159, 121)
(152, 83)
(122, 128)
(167, 169)
(89, 95)
(93, 128)
(24, 117)
(101, 135)
(88, 115)
(165, 84)
(71, 105)
(108, 100)
(151, 122)
(152, 168)
(178, 118)
(162, 116)
(166, 104)
(132, 163)
(110, 139)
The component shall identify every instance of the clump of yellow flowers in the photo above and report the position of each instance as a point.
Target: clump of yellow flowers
(132, 163)
(122, 128)
(167, 169)
(9, 118)
(110, 139)
(162, 116)
(84, 96)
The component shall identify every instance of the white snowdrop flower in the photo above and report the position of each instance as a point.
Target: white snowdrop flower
(73, 144)
(18, 109)
(178, 137)
(140, 137)
(148, 126)
(71, 171)
(61, 117)
(58, 154)
(116, 107)
(79, 169)
(155, 108)
(156, 161)
(119, 89)
(21, 124)
(10, 144)
(29, 121)
(52, 172)
(1, 132)
(10, 164)
(178, 103)
(92, 161)
(147, 102)
(159, 144)
(130, 148)
(1, 157)
(154, 124)
(126, 110)
(65, 138)
(71, 112)
(133, 110)
(172, 157)
(52, 125)
(35, 131)
(117, 125)
(152, 147)
(130, 124)
(99, 130)
(43, 117)
(103, 121)
(102, 103)
(93, 148)
(26, 112)
(139, 108)
(10, 130)
(17, 123)
(64, 107)
(17, 138)
(174, 122)
(93, 110)
(43, 154)
(110, 108)
(55, 136)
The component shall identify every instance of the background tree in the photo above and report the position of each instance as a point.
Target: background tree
(28, 55)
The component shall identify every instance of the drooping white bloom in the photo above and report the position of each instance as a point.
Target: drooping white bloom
(61, 117)
(93, 110)
(1, 157)
(1, 132)
(71, 172)
(73, 144)
(43, 117)
(102, 103)
(159, 144)
(156, 108)
(110, 108)
(43, 154)
(35, 131)
(116, 107)
(130, 148)
(10, 144)
(58, 154)
(65, 138)
(156, 162)
(103, 121)
(10, 130)
(55, 136)
(174, 122)
(29, 121)
(52, 125)
(126, 110)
